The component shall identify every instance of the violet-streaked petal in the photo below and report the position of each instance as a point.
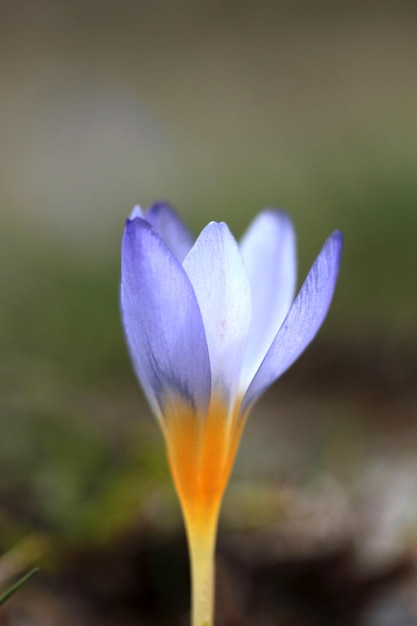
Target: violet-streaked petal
(162, 321)
(268, 250)
(169, 226)
(216, 271)
(303, 320)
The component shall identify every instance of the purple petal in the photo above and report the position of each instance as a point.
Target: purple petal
(216, 271)
(269, 253)
(302, 322)
(169, 226)
(162, 321)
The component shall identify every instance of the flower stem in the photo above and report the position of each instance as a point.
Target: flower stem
(202, 544)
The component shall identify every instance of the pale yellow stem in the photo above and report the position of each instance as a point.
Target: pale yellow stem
(202, 544)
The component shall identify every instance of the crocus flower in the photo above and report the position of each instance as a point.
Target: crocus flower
(210, 325)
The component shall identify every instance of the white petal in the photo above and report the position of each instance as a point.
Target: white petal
(269, 253)
(136, 212)
(217, 273)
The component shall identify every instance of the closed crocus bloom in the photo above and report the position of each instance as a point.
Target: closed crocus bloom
(210, 325)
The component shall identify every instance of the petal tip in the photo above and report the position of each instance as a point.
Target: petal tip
(337, 240)
(338, 236)
(133, 226)
(160, 205)
(136, 212)
(278, 211)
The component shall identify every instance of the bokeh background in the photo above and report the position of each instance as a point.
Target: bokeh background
(222, 108)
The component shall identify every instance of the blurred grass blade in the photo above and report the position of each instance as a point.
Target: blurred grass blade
(7, 594)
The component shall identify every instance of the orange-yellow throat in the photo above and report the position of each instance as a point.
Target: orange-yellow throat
(201, 452)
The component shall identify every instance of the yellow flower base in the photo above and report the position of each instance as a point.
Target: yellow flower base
(201, 453)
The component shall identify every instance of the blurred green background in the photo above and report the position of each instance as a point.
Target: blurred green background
(222, 108)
